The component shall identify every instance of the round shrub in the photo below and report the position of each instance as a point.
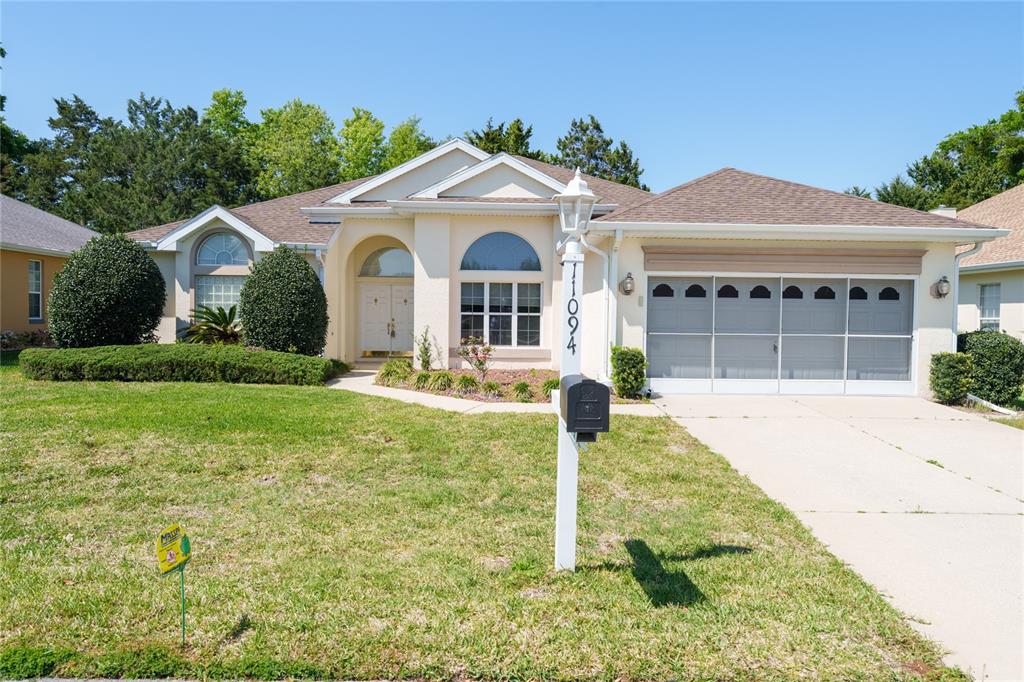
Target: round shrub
(109, 292)
(283, 306)
(629, 371)
(951, 377)
(998, 365)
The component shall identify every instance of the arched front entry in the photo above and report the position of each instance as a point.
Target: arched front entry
(385, 284)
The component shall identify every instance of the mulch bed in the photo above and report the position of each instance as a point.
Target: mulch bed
(507, 378)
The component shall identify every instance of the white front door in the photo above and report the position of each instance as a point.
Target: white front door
(386, 318)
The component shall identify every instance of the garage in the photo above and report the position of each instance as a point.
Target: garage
(769, 333)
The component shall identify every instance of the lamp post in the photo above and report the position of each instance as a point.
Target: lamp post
(575, 206)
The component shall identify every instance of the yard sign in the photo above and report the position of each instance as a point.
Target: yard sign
(173, 550)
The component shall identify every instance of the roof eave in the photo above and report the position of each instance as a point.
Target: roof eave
(993, 267)
(35, 250)
(957, 235)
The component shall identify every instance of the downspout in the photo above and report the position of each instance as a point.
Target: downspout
(604, 372)
(613, 304)
(956, 287)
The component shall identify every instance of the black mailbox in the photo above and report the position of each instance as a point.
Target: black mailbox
(585, 407)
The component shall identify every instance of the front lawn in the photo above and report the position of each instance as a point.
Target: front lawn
(340, 535)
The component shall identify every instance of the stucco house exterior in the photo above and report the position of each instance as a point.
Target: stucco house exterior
(34, 245)
(733, 282)
(991, 292)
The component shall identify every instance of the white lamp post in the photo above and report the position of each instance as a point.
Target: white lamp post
(575, 206)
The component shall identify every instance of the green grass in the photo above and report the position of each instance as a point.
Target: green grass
(1015, 422)
(340, 535)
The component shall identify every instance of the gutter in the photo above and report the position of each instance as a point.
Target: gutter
(956, 287)
(802, 232)
(34, 250)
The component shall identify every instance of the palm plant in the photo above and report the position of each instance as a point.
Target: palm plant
(214, 325)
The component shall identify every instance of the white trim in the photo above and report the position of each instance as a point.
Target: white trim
(36, 251)
(500, 158)
(169, 242)
(804, 232)
(437, 152)
(342, 211)
(993, 267)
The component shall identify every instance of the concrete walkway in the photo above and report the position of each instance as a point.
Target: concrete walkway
(922, 500)
(361, 381)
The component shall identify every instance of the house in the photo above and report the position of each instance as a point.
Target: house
(34, 245)
(991, 292)
(733, 282)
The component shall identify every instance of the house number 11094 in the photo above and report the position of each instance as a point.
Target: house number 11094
(573, 308)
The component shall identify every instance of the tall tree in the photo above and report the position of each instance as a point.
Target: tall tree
(362, 145)
(14, 147)
(226, 113)
(512, 137)
(902, 193)
(406, 141)
(858, 191)
(294, 150)
(585, 146)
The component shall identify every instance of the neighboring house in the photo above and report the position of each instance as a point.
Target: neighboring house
(992, 279)
(740, 282)
(34, 245)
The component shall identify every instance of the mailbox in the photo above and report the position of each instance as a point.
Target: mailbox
(584, 406)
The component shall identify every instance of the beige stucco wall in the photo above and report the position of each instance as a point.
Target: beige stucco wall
(1011, 305)
(14, 289)
(419, 178)
(500, 182)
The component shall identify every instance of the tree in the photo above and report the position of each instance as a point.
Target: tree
(585, 146)
(406, 141)
(362, 145)
(512, 138)
(14, 147)
(283, 306)
(226, 114)
(902, 193)
(294, 150)
(858, 191)
(109, 292)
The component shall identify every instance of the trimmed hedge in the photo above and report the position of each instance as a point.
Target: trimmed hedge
(177, 362)
(951, 377)
(629, 371)
(998, 365)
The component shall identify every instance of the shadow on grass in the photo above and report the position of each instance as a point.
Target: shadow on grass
(662, 586)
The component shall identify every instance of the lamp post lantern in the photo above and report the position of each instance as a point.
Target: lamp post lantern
(575, 206)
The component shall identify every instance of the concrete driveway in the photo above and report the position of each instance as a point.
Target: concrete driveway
(923, 501)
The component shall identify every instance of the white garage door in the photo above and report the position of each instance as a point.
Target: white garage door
(779, 334)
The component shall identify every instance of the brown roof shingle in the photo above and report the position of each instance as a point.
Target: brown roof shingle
(731, 196)
(1004, 210)
(608, 192)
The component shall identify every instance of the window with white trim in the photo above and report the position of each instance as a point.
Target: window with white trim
(222, 248)
(218, 291)
(989, 296)
(501, 313)
(35, 290)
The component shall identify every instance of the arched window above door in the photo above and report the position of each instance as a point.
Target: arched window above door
(501, 251)
(391, 261)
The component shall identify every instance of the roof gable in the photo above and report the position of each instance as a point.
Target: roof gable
(169, 242)
(415, 174)
(733, 197)
(500, 176)
(1004, 210)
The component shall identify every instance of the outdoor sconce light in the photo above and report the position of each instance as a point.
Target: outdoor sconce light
(943, 287)
(627, 285)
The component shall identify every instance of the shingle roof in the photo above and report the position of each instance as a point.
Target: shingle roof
(32, 228)
(607, 191)
(1004, 210)
(731, 196)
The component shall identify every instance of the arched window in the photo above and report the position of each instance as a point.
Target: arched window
(761, 291)
(792, 291)
(663, 291)
(500, 251)
(888, 294)
(728, 291)
(390, 261)
(824, 294)
(222, 248)
(858, 294)
(696, 291)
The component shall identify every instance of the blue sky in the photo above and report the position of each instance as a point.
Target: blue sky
(831, 94)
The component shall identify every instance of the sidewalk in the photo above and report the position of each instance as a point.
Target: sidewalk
(361, 381)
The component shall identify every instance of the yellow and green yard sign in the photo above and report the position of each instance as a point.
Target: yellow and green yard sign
(172, 548)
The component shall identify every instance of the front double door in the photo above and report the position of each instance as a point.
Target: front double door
(387, 319)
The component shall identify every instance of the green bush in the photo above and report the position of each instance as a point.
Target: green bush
(421, 380)
(998, 365)
(177, 362)
(442, 381)
(951, 377)
(521, 392)
(394, 372)
(466, 383)
(491, 388)
(283, 306)
(629, 371)
(109, 292)
(550, 385)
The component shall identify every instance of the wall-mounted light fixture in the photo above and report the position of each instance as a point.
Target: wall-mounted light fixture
(627, 285)
(943, 287)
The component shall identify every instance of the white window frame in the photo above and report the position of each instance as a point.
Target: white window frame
(992, 323)
(515, 314)
(41, 316)
(844, 386)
